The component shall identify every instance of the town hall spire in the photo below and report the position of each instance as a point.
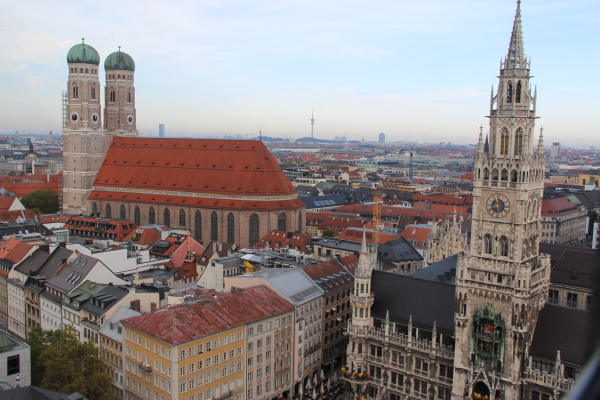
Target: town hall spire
(516, 52)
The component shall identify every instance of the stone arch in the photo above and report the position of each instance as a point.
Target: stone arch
(504, 175)
(486, 174)
(122, 212)
(495, 174)
(136, 215)
(514, 176)
(94, 207)
(108, 212)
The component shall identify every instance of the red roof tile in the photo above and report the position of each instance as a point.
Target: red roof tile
(225, 167)
(277, 239)
(224, 311)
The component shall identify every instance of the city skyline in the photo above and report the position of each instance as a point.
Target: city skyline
(408, 70)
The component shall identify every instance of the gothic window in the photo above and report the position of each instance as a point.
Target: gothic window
(167, 217)
(93, 93)
(129, 96)
(112, 96)
(504, 246)
(504, 142)
(214, 226)
(122, 212)
(514, 176)
(136, 216)
(253, 229)
(504, 175)
(151, 216)
(281, 222)
(108, 211)
(509, 92)
(75, 92)
(182, 218)
(198, 226)
(230, 228)
(300, 222)
(487, 244)
(518, 93)
(486, 174)
(94, 207)
(519, 141)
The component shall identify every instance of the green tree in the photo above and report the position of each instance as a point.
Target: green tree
(12, 173)
(60, 362)
(330, 232)
(41, 201)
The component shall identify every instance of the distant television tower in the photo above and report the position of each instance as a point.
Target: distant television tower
(312, 124)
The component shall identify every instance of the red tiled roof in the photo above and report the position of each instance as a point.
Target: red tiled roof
(340, 223)
(224, 167)
(281, 239)
(54, 218)
(107, 226)
(329, 268)
(224, 311)
(183, 201)
(417, 233)
(14, 250)
(560, 205)
(440, 199)
(356, 235)
(146, 234)
(21, 189)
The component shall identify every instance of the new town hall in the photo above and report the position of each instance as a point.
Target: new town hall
(488, 334)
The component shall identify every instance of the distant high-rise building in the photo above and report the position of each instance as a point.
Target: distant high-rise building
(312, 124)
(161, 130)
(381, 138)
(555, 151)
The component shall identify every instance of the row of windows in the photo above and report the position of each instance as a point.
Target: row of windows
(254, 222)
(87, 71)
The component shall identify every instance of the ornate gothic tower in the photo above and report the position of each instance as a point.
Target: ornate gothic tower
(119, 109)
(502, 280)
(361, 302)
(83, 137)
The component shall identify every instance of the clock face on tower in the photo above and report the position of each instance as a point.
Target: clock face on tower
(498, 205)
(95, 118)
(130, 119)
(74, 117)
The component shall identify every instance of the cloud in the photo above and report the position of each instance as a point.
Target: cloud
(8, 69)
(571, 89)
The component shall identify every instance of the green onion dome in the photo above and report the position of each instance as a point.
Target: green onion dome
(83, 53)
(119, 60)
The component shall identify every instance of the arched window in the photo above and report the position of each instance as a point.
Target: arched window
(214, 226)
(504, 246)
(230, 228)
(122, 212)
(86, 70)
(182, 218)
(281, 222)
(509, 92)
(151, 216)
(198, 226)
(112, 95)
(108, 211)
(75, 92)
(136, 216)
(129, 96)
(94, 207)
(487, 244)
(167, 217)
(93, 93)
(504, 142)
(519, 141)
(518, 93)
(253, 229)
(504, 175)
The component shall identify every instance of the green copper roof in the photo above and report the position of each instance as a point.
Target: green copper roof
(83, 53)
(119, 60)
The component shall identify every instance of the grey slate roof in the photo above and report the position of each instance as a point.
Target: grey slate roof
(110, 326)
(404, 296)
(571, 266)
(73, 274)
(36, 393)
(442, 271)
(98, 304)
(333, 200)
(568, 335)
(293, 283)
(397, 250)
(33, 262)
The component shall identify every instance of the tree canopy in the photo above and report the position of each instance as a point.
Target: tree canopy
(330, 232)
(60, 362)
(41, 201)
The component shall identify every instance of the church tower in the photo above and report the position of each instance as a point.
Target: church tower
(502, 280)
(119, 109)
(361, 301)
(83, 137)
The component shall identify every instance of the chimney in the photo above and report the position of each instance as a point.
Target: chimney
(153, 307)
(198, 293)
(135, 305)
(165, 281)
(45, 248)
(180, 317)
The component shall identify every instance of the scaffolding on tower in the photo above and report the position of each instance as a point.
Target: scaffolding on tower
(64, 109)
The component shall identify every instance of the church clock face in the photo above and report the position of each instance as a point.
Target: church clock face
(74, 117)
(95, 118)
(498, 205)
(130, 119)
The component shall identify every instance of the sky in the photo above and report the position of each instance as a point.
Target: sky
(415, 70)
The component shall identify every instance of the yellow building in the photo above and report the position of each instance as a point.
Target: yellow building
(197, 350)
